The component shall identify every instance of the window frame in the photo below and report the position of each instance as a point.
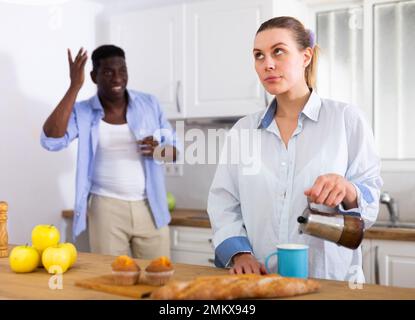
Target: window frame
(368, 107)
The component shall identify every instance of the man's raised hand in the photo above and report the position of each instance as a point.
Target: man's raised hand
(76, 68)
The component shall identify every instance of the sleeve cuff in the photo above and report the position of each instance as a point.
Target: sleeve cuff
(364, 197)
(166, 136)
(228, 248)
(353, 211)
(52, 144)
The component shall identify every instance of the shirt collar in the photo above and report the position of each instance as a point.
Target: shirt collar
(312, 107)
(311, 110)
(268, 115)
(96, 103)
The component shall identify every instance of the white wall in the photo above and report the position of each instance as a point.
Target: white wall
(198, 178)
(34, 76)
(191, 190)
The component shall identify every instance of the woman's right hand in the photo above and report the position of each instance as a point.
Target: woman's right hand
(76, 68)
(246, 263)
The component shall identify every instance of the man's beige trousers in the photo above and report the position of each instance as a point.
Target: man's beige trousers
(118, 226)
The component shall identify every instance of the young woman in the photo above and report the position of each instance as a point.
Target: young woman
(309, 147)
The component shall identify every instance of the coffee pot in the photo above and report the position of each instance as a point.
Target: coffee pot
(345, 229)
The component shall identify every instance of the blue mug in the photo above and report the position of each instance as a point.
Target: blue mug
(292, 260)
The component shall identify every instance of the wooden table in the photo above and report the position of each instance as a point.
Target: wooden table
(35, 285)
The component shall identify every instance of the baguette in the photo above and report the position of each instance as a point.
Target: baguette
(227, 287)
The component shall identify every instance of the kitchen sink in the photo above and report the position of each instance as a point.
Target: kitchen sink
(388, 224)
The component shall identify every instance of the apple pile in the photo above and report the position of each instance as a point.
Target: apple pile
(45, 251)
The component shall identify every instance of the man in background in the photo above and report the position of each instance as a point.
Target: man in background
(120, 186)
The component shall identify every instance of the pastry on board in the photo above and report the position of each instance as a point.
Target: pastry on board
(125, 271)
(159, 271)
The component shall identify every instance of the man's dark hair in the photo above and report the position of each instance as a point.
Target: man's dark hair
(105, 51)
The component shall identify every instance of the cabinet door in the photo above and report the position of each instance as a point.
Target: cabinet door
(395, 262)
(367, 260)
(153, 44)
(191, 239)
(191, 245)
(189, 257)
(220, 73)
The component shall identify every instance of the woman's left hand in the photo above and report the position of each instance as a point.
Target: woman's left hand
(331, 190)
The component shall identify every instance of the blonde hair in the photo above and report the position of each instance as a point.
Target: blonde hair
(304, 39)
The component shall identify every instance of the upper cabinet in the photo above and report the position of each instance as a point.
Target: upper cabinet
(153, 43)
(196, 57)
(220, 74)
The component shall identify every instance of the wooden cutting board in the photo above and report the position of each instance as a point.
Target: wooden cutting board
(106, 284)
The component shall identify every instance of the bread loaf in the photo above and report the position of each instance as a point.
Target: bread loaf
(227, 287)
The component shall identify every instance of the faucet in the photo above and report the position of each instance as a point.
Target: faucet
(392, 206)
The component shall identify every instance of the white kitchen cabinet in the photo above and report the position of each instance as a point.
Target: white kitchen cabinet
(367, 260)
(220, 68)
(220, 73)
(389, 262)
(191, 245)
(196, 57)
(153, 44)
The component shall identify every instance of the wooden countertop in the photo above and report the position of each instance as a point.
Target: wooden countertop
(179, 217)
(190, 218)
(400, 234)
(200, 219)
(35, 285)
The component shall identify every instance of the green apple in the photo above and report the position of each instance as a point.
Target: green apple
(171, 201)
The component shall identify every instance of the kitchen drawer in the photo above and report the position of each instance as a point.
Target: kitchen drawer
(189, 257)
(191, 239)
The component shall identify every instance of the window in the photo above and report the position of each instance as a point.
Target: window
(394, 79)
(366, 60)
(341, 62)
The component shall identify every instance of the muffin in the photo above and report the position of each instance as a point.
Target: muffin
(125, 271)
(159, 271)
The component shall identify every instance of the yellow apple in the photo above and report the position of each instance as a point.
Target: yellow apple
(56, 259)
(72, 251)
(44, 236)
(40, 265)
(24, 259)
